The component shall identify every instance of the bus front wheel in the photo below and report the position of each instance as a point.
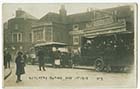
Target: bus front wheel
(108, 68)
(99, 64)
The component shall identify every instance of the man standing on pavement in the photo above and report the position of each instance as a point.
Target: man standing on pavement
(8, 59)
(20, 64)
(25, 57)
(5, 61)
(41, 59)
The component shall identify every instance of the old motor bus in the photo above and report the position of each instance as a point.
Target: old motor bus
(108, 51)
(47, 48)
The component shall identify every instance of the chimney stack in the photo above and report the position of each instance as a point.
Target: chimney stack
(19, 12)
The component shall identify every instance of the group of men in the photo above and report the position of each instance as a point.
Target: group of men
(8, 59)
(41, 58)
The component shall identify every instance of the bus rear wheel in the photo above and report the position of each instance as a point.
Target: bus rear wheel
(99, 64)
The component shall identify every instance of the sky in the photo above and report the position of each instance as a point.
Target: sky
(39, 10)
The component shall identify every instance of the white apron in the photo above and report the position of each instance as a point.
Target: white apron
(57, 61)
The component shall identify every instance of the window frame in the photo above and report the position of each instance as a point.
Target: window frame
(19, 37)
(76, 42)
(37, 32)
(75, 28)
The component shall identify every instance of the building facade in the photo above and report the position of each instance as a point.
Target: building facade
(25, 31)
(69, 29)
(18, 34)
(104, 21)
(52, 27)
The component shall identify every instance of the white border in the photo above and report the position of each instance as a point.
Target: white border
(68, 1)
(64, 1)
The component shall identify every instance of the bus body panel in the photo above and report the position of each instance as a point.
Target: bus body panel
(115, 50)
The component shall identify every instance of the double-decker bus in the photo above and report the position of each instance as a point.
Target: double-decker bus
(107, 52)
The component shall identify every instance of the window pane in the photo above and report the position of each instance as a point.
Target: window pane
(48, 33)
(30, 36)
(14, 37)
(38, 34)
(19, 37)
(76, 40)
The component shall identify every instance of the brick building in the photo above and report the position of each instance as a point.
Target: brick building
(53, 27)
(25, 30)
(60, 27)
(17, 34)
(96, 22)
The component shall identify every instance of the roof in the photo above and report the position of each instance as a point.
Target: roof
(74, 18)
(88, 16)
(26, 16)
(80, 17)
(50, 17)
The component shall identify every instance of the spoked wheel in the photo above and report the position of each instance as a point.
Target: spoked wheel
(107, 68)
(125, 69)
(99, 64)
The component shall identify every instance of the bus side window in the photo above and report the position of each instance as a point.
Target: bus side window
(115, 46)
(111, 41)
(104, 42)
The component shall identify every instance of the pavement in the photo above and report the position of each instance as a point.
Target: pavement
(8, 71)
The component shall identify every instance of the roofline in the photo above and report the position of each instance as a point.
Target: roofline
(99, 10)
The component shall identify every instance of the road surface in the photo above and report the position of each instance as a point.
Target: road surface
(66, 77)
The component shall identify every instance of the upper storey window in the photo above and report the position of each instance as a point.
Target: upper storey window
(17, 37)
(38, 34)
(75, 27)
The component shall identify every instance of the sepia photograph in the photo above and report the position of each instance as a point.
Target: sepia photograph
(69, 45)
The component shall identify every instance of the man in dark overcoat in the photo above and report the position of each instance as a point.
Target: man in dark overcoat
(19, 66)
(8, 59)
(41, 59)
(25, 57)
(5, 60)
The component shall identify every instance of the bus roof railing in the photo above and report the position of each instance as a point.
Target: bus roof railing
(108, 34)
